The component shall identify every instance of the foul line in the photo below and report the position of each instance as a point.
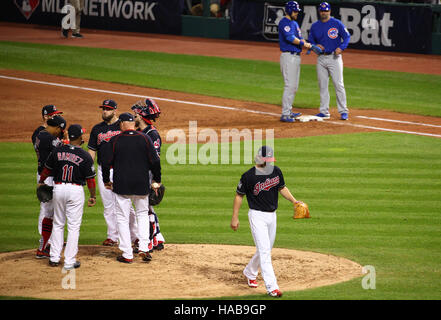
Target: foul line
(400, 121)
(204, 104)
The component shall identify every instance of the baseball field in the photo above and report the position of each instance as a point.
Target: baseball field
(373, 183)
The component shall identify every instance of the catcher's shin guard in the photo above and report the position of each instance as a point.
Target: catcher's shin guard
(46, 232)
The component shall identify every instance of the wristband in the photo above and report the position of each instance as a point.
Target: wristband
(302, 43)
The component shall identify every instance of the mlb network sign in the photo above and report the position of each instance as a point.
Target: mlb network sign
(364, 24)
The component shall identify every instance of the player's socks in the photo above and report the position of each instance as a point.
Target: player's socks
(46, 231)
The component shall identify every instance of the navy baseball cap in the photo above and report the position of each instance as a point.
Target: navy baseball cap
(265, 154)
(75, 131)
(324, 6)
(57, 121)
(126, 116)
(109, 103)
(50, 110)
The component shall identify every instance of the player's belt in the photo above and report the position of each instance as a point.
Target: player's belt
(293, 52)
(75, 184)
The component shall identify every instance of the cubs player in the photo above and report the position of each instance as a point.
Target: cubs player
(261, 185)
(45, 141)
(132, 156)
(291, 43)
(71, 167)
(47, 112)
(147, 111)
(332, 37)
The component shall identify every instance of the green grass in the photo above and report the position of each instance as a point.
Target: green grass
(374, 198)
(258, 81)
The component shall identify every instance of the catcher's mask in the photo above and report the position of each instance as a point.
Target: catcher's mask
(147, 109)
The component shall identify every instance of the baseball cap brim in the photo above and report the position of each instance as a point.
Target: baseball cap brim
(55, 112)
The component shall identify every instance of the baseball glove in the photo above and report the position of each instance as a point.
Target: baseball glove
(155, 199)
(316, 49)
(301, 210)
(44, 193)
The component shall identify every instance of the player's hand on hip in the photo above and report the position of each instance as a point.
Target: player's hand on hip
(91, 202)
(234, 224)
(109, 185)
(338, 51)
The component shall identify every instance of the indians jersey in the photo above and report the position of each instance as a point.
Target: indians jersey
(132, 155)
(153, 133)
(262, 190)
(44, 144)
(70, 164)
(100, 135)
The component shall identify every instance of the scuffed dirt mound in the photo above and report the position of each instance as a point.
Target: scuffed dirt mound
(179, 271)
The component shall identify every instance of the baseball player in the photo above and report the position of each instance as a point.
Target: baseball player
(147, 111)
(261, 185)
(132, 156)
(79, 6)
(332, 37)
(45, 141)
(71, 167)
(47, 112)
(291, 43)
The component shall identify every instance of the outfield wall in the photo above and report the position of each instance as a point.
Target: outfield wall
(381, 26)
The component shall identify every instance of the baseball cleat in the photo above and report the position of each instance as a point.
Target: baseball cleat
(109, 243)
(123, 260)
(287, 119)
(146, 257)
(42, 254)
(324, 116)
(252, 283)
(77, 35)
(54, 264)
(275, 293)
(295, 115)
(64, 33)
(159, 247)
(344, 116)
(76, 265)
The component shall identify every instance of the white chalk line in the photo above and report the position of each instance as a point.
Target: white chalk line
(205, 104)
(400, 121)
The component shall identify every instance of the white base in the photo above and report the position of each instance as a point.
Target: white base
(306, 118)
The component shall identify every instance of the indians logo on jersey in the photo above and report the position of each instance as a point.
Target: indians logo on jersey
(106, 136)
(267, 185)
(27, 7)
(333, 33)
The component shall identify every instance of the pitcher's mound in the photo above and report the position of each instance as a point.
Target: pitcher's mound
(178, 271)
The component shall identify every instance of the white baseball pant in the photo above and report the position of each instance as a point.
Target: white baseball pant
(290, 68)
(331, 65)
(263, 228)
(68, 204)
(46, 210)
(108, 199)
(123, 205)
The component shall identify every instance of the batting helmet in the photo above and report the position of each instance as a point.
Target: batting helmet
(324, 6)
(147, 109)
(292, 6)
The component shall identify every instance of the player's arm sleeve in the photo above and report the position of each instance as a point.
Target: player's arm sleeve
(311, 37)
(93, 140)
(346, 36)
(88, 168)
(281, 179)
(241, 186)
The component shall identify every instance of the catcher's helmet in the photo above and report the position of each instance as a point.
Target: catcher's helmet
(147, 109)
(292, 6)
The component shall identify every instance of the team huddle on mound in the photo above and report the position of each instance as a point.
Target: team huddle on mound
(127, 149)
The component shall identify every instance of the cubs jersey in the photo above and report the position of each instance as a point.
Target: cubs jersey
(153, 133)
(100, 135)
(331, 34)
(288, 31)
(262, 190)
(70, 164)
(132, 155)
(44, 144)
(36, 132)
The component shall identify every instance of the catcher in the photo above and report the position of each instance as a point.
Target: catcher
(262, 185)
